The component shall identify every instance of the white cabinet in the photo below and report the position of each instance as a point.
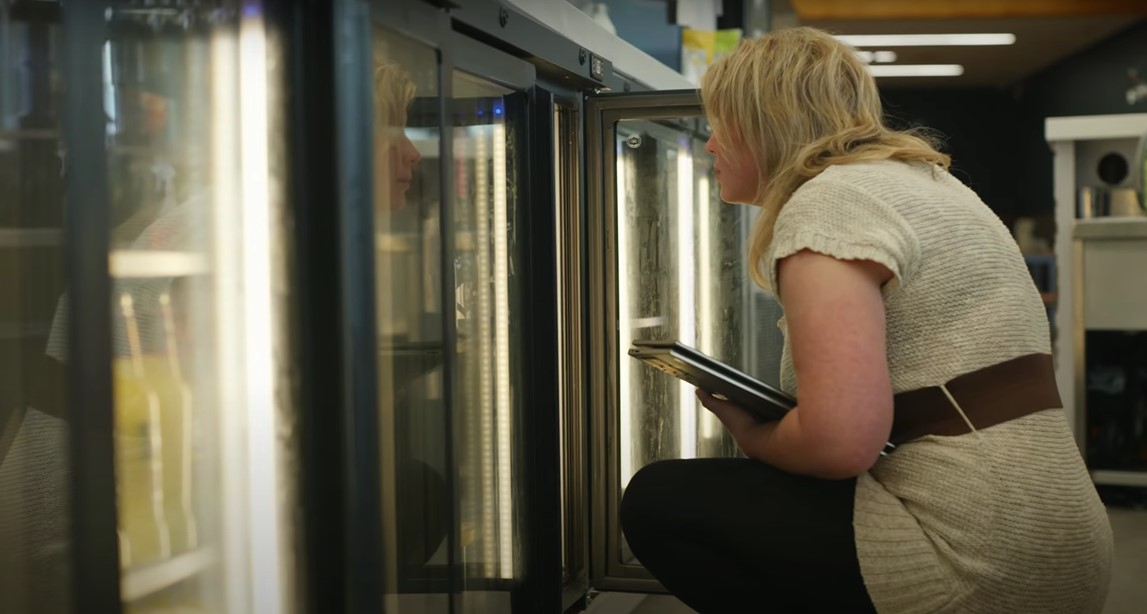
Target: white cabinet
(1113, 269)
(1102, 262)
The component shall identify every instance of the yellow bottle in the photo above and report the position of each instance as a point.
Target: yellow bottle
(178, 404)
(139, 453)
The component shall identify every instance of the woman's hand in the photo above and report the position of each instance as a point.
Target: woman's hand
(751, 436)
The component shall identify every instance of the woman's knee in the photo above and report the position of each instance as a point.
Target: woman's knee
(649, 495)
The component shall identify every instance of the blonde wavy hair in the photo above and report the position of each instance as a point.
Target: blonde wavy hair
(798, 101)
(393, 93)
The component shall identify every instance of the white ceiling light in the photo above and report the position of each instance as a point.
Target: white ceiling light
(916, 70)
(878, 57)
(925, 40)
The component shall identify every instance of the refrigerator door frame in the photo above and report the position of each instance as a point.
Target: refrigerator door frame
(602, 114)
(529, 116)
(97, 579)
(463, 43)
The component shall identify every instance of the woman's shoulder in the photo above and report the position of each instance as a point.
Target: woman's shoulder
(878, 172)
(868, 179)
(888, 181)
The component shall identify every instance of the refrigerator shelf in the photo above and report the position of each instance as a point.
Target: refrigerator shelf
(148, 580)
(31, 237)
(1119, 478)
(154, 263)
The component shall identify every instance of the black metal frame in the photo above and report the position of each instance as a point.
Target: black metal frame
(95, 551)
(541, 588)
(571, 241)
(505, 27)
(307, 38)
(353, 76)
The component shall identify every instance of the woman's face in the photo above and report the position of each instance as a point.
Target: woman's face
(398, 159)
(735, 171)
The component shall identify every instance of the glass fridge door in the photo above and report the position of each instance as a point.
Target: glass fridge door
(495, 312)
(665, 262)
(415, 456)
(457, 319)
(184, 109)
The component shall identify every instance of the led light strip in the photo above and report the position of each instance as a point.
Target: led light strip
(926, 40)
(624, 331)
(916, 70)
(505, 412)
(686, 294)
(228, 283)
(487, 392)
(258, 318)
(705, 297)
(877, 57)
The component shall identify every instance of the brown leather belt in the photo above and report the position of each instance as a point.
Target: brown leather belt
(989, 396)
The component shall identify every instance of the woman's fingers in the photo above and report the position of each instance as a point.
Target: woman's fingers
(717, 404)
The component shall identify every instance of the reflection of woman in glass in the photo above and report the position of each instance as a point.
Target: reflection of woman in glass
(395, 156)
(421, 490)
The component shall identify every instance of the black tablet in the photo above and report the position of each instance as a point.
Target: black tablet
(766, 403)
(717, 378)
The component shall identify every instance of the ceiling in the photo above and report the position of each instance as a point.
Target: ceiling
(1046, 31)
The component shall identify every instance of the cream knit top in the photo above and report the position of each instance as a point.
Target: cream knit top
(1004, 520)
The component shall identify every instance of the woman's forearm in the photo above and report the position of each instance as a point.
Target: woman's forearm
(793, 446)
(787, 446)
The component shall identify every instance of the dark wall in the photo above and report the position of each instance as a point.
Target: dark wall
(981, 130)
(996, 136)
(1093, 82)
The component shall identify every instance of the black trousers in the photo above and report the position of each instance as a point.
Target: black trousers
(730, 535)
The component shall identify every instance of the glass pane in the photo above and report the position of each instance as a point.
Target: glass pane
(199, 348)
(416, 499)
(680, 276)
(720, 289)
(34, 459)
(487, 398)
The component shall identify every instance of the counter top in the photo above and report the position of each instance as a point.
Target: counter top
(1111, 228)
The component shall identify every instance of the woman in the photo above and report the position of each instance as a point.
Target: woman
(910, 317)
(395, 155)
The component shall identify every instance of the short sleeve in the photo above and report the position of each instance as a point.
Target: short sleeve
(845, 222)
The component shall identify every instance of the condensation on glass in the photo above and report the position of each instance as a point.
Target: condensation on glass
(681, 275)
(416, 500)
(34, 458)
(204, 439)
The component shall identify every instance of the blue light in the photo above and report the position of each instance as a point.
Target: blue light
(497, 110)
(481, 112)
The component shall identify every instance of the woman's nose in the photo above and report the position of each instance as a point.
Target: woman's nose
(410, 153)
(711, 144)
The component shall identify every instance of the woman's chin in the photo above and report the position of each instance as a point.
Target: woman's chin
(397, 200)
(735, 199)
